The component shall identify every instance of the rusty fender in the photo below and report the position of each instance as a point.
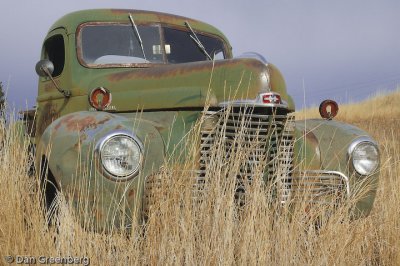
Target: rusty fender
(68, 145)
(329, 140)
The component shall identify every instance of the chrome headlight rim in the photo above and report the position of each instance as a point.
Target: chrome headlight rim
(100, 145)
(353, 146)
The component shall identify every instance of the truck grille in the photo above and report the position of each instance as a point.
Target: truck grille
(266, 138)
(263, 134)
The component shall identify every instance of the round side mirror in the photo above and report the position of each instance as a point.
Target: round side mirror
(44, 65)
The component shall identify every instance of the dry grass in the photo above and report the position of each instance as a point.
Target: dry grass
(383, 107)
(213, 231)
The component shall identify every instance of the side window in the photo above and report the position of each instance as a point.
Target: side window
(54, 50)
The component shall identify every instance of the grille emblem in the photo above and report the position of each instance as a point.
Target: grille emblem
(271, 97)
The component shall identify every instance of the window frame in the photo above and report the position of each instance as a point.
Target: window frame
(161, 26)
(44, 54)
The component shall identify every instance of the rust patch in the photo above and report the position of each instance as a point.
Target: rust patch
(173, 70)
(313, 140)
(82, 124)
(75, 122)
(160, 72)
(131, 193)
(78, 144)
(158, 16)
(65, 120)
(310, 136)
(48, 115)
(122, 11)
(48, 87)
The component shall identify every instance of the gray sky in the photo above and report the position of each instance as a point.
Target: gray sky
(343, 49)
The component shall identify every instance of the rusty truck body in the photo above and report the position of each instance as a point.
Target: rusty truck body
(119, 89)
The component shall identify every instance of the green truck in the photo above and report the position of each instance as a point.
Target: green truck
(119, 90)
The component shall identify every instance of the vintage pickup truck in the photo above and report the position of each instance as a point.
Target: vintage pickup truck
(119, 90)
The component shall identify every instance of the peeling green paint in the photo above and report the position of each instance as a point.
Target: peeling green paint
(160, 104)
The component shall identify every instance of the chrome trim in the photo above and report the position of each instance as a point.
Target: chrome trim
(251, 103)
(328, 172)
(97, 151)
(352, 147)
(257, 102)
(283, 163)
(301, 175)
(266, 139)
(359, 140)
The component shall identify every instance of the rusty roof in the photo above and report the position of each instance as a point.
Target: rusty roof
(72, 20)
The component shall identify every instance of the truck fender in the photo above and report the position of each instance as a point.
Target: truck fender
(68, 146)
(333, 139)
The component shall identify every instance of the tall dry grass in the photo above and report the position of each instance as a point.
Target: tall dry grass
(211, 229)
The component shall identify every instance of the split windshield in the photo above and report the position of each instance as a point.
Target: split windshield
(118, 44)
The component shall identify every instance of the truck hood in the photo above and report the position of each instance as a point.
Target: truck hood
(190, 85)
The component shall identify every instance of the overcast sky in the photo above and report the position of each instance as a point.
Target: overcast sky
(343, 49)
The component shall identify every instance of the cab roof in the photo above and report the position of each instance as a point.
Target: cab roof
(72, 20)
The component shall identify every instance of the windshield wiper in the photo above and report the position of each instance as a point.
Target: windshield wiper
(137, 34)
(197, 40)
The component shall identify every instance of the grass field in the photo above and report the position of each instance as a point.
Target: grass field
(215, 231)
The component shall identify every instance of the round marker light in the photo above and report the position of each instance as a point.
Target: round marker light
(328, 109)
(100, 98)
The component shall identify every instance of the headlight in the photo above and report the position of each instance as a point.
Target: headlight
(364, 155)
(120, 156)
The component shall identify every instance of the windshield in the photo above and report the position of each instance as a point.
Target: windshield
(183, 49)
(119, 45)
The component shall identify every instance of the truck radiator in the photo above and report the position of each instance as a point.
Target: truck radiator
(260, 139)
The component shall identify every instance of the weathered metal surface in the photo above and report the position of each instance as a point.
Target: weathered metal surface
(333, 139)
(71, 21)
(72, 162)
(172, 97)
(307, 151)
(157, 87)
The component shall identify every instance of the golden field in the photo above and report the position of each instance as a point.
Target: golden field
(215, 231)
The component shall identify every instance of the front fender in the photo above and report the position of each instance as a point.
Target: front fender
(68, 145)
(332, 140)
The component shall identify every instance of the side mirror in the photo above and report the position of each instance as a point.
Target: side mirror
(44, 68)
